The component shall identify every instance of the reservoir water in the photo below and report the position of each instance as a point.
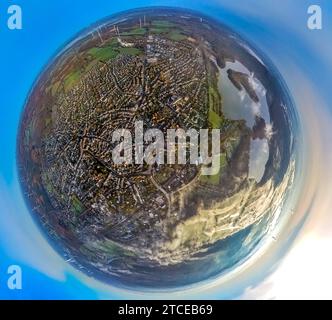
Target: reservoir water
(237, 105)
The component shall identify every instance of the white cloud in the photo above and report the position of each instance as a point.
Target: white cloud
(305, 274)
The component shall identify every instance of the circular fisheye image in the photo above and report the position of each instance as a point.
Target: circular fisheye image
(156, 149)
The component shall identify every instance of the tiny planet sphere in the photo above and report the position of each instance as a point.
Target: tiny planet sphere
(147, 225)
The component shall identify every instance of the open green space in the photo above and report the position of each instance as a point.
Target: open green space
(108, 52)
(215, 119)
(72, 79)
(111, 51)
(215, 179)
(103, 54)
(77, 205)
(163, 24)
(176, 36)
(136, 31)
(130, 51)
(156, 30)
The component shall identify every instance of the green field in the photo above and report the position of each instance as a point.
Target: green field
(72, 79)
(77, 205)
(137, 32)
(176, 36)
(215, 179)
(112, 51)
(103, 54)
(163, 24)
(130, 51)
(157, 30)
(216, 120)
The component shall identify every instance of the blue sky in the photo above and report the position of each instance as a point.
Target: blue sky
(303, 57)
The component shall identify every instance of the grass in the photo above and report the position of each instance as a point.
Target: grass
(130, 51)
(72, 79)
(103, 54)
(137, 31)
(215, 179)
(77, 205)
(163, 24)
(159, 30)
(176, 36)
(215, 119)
(49, 188)
(112, 51)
